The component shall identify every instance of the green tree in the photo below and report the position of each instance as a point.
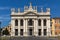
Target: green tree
(6, 32)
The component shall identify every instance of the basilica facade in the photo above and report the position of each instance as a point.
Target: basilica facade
(30, 22)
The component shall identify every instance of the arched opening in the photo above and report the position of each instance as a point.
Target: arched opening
(39, 32)
(44, 21)
(45, 31)
(39, 22)
(21, 22)
(30, 22)
(16, 22)
(16, 32)
(30, 32)
(21, 32)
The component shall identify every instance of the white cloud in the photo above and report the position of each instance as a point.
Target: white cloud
(6, 15)
(4, 8)
(4, 18)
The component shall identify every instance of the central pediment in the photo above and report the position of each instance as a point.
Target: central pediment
(30, 13)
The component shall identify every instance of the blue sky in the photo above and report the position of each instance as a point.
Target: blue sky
(6, 5)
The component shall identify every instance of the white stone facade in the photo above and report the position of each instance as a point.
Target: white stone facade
(30, 13)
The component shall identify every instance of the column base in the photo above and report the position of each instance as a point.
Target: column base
(25, 34)
(35, 33)
(19, 34)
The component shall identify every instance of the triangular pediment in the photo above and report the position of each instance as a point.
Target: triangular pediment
(30, 13)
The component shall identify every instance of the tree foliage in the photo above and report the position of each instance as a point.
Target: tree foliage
(6, 32)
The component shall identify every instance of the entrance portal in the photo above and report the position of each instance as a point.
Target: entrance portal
(30, 32)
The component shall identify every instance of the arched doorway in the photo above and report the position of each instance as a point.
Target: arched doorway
(30, 31)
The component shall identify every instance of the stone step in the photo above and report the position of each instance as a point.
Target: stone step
(31, 38)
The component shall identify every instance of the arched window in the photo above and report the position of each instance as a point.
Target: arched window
(44, 21)
(21, 22)
(16, 22)
(39, 22)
